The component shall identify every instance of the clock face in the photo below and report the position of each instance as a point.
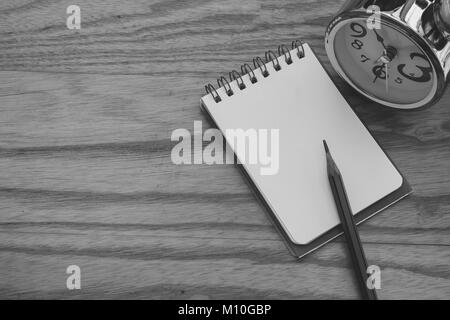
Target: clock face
(384, 64)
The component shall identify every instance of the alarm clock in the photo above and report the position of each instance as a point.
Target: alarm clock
(394, 52)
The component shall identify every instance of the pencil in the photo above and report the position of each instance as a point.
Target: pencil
(349, 226)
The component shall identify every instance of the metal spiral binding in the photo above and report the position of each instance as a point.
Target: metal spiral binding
(269, 56)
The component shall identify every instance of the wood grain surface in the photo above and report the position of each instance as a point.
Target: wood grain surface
(86, 176)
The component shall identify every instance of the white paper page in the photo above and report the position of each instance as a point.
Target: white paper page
(303, 103)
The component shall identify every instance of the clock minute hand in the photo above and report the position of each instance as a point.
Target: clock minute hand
(380, 39)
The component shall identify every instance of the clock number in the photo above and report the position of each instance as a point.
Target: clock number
(426, 71)
(361, 32)
(364, 58)
(379, 72)
(357, 44)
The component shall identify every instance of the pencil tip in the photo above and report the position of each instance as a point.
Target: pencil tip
(326, 146)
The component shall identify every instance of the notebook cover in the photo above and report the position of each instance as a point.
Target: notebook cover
(301, 250)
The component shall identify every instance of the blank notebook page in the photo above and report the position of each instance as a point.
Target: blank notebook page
(303, 103)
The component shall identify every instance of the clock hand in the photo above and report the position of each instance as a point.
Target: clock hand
(386, 62)
(380, 39)
(387, 76)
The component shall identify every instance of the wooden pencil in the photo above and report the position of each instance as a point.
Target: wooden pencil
(349, 226)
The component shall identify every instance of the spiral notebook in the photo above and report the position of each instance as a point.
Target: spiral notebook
(292, 94)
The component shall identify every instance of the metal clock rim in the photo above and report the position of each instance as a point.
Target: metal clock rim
(406, 30)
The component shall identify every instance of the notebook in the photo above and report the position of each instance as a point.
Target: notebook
(292, 94)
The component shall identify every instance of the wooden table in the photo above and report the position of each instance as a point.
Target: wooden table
(86, 176)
